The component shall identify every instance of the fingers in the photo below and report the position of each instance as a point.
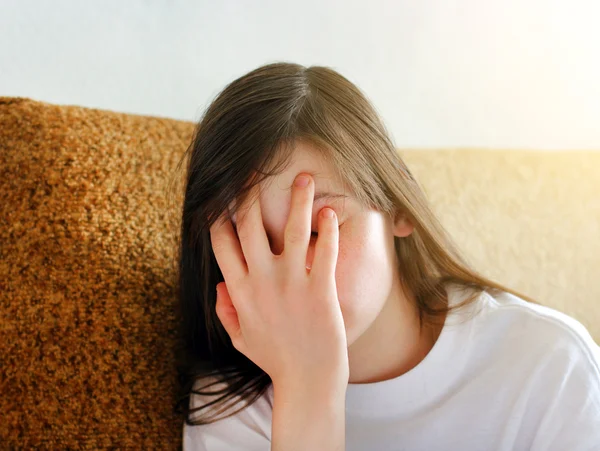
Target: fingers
(227, 250)
(251, 232)
(326, 248)
(297, 229)
(228, 316)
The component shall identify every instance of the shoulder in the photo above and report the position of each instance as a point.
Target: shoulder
(540, 330)
(250, 428)
(555, 363)
(530, 345)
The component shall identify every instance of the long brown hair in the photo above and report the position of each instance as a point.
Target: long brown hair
(251, 126)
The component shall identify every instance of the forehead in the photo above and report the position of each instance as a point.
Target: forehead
(307, 159)
(276, 190)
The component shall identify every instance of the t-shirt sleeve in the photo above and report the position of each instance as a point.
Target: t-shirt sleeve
(249, 429)
(572, 419)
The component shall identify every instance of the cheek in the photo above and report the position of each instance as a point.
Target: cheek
(364, 269)
(364, 278)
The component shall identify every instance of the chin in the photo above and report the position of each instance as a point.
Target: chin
(353, 330)
(359, 318)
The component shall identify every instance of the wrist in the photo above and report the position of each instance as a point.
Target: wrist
(308, 416)
(331, 388)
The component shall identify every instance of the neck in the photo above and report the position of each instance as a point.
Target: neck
(393, 344)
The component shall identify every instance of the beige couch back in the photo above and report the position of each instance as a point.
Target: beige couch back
(527, 219)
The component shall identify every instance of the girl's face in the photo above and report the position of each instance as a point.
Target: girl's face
(366, 266)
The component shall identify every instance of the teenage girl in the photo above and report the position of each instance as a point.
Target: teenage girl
(325, 308)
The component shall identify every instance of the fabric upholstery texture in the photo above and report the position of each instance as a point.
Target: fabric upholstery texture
(89, 230)
(87, 276)
(527, 219)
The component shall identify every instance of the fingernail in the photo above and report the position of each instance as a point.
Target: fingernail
(327, 213)
(302, 180)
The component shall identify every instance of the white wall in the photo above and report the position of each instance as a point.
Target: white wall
(509, 74)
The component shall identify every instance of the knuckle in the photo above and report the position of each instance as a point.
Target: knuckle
(217, 247)
(303, 201)
(295, 235)
(221, 244)
(329, 247)
(244, 235)
(328, 243)
(330, 228)
(244, 232)
(302, 196)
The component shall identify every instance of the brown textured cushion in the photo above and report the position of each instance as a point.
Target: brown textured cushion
(88, 239)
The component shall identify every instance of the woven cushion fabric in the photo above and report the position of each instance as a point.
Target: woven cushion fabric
(87, 300)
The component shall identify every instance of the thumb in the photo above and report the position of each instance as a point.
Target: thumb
(228, 316)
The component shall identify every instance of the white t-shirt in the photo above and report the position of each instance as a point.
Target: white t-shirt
(504, 374)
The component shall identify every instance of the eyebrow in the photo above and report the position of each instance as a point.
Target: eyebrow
(322, 194)
(327, 195)
(318, 196)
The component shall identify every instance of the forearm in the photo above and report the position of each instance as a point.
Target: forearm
(309, 418)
